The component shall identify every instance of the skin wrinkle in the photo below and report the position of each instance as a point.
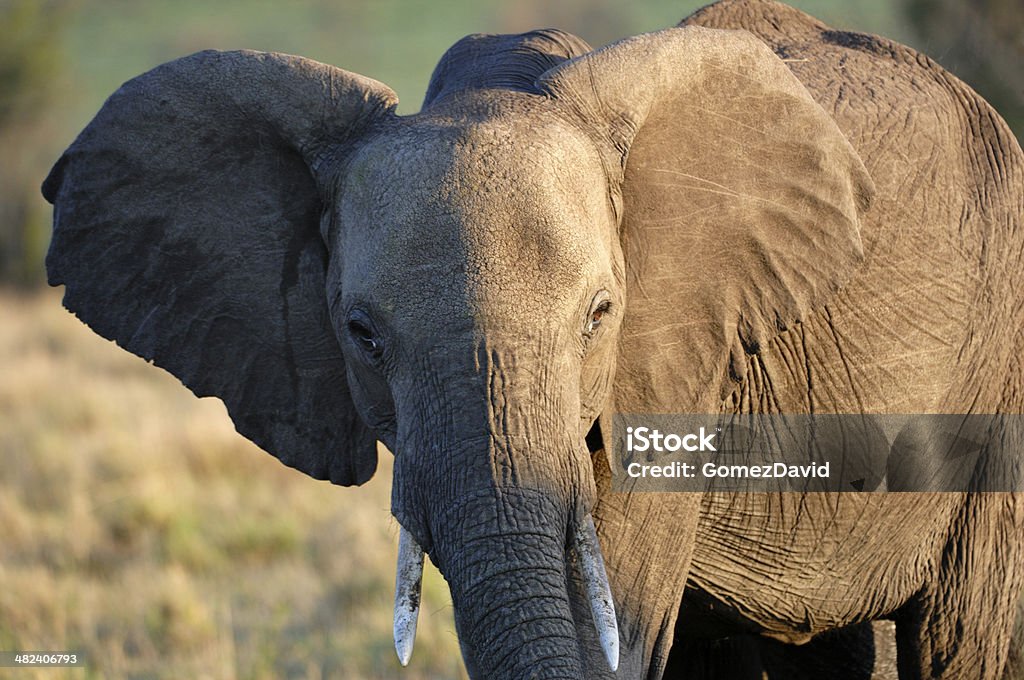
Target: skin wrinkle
(522, 618)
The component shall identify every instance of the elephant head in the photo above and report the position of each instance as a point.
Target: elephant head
(557, 236)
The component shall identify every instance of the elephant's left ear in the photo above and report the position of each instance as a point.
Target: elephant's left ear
(738, 195)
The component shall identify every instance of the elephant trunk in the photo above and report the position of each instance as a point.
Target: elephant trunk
(498, 491)
(409, 579)
(505, 562)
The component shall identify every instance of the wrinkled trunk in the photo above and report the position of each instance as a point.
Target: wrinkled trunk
(504, 556)
(493, 479)
(507, 563)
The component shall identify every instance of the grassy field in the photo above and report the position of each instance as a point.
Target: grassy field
(136, 526)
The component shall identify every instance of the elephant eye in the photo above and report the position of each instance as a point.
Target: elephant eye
(596, 315)
(361, 332)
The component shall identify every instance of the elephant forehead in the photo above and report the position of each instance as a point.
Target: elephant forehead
(498, 210)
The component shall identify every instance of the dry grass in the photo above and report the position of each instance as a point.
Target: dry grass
(136, 526)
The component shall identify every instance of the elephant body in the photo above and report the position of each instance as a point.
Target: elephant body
(790, 566)
(749, 214)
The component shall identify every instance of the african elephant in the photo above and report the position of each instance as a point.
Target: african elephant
(779, 219)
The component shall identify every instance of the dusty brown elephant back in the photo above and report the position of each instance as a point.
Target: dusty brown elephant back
(916, 127)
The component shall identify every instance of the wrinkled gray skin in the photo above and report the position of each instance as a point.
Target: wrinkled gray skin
(790, 219)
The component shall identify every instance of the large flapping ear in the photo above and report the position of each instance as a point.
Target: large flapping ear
(739, 201)
(186, 228)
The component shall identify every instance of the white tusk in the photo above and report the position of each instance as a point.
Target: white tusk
(598, 591)
(408, 581)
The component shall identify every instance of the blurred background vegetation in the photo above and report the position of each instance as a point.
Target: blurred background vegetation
(134, 524)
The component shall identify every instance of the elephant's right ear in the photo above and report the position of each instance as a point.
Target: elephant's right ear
(740, 202)
(186, 228)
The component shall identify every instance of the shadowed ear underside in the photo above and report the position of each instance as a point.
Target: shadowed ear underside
(186, 228)
(739, 199)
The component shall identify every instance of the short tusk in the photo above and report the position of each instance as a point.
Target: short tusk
(598, 591)
(408, 582)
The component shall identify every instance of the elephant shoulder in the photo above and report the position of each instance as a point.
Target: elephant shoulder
(513, 62)
(815, 52)
(904, 113)
(867, 82)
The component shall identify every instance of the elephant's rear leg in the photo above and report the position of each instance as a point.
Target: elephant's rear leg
(961, 623)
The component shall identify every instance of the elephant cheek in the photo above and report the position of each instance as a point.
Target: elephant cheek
(596, 377)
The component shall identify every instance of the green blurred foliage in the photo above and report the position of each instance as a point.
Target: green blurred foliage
(28, 58)
(982, 42)
(30, 64)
